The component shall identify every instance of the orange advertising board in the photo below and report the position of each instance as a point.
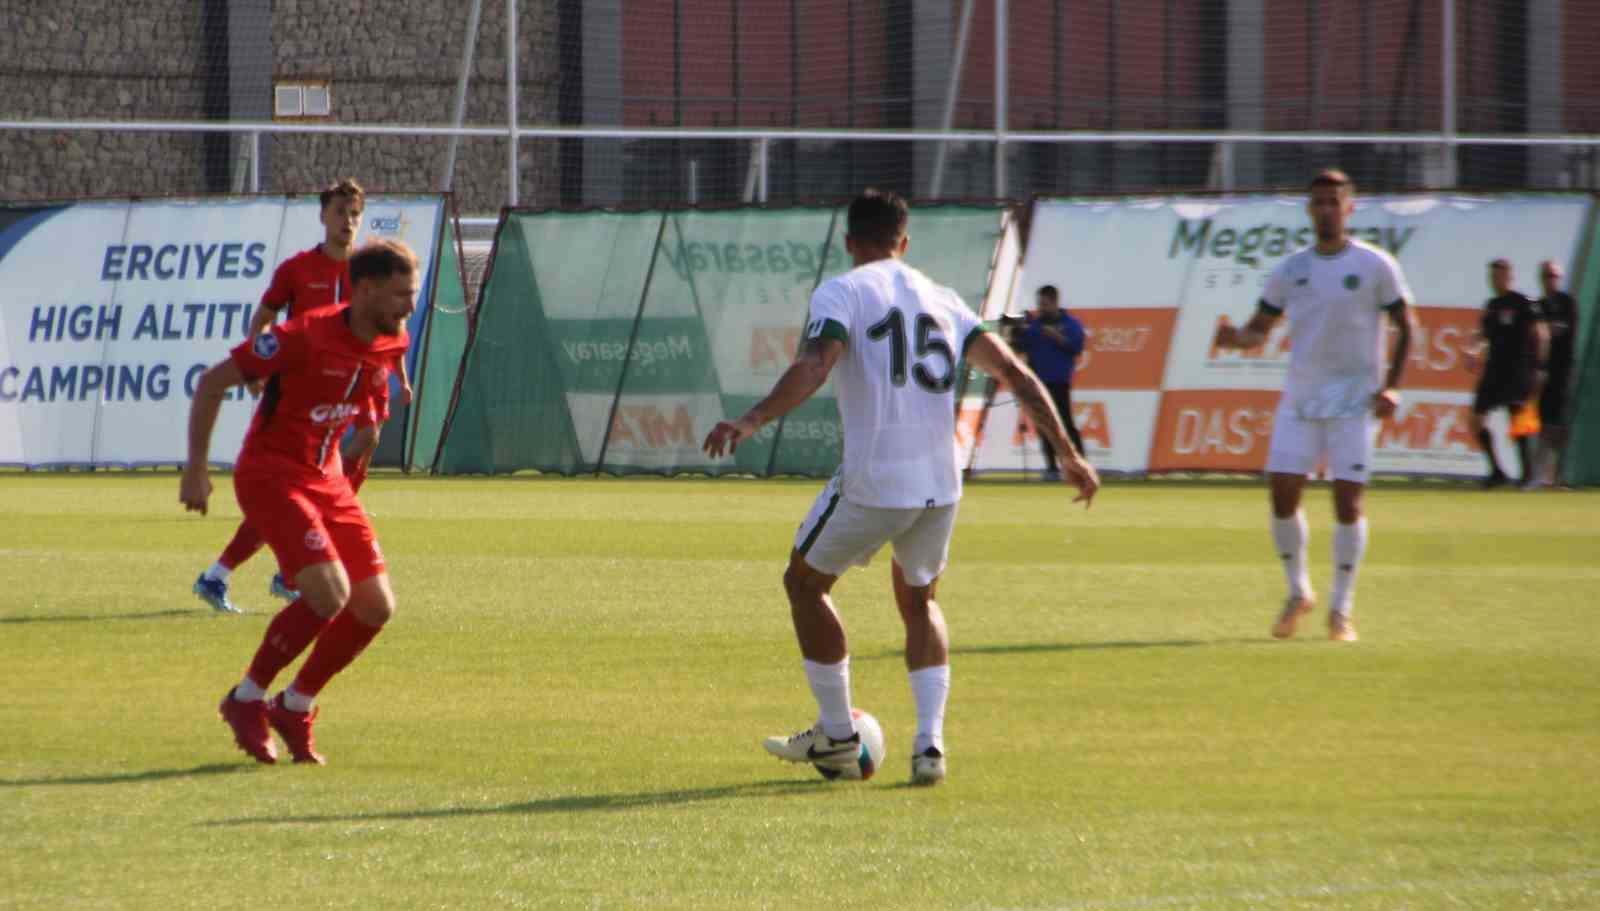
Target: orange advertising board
(1438, 352)
(1213, 430)
(1124, 348)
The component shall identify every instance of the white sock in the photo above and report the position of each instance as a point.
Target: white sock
(295, 701)
(1349, 543)
(247, 691)
(830, 683)
(218, 572)
(1290, 536)
(930, 686)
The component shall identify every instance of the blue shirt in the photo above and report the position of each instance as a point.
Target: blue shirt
(1053, 361)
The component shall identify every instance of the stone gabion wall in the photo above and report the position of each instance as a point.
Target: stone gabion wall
(104, 60)
(101, 59)
(411, 78)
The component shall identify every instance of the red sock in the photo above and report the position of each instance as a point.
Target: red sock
(287, 636)
(246, 541)
(343, 640)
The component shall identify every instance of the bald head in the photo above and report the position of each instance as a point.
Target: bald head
(1551, 276)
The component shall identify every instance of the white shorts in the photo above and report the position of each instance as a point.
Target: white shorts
(838, 534)
(1298, 445)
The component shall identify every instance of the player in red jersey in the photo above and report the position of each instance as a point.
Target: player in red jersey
(323, 371)
(310, 281)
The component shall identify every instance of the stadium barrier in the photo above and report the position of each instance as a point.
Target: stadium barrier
(613, 342)
(1152, 278)
(111, 309)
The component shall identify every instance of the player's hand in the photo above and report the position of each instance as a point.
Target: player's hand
(727, 435)
(194, 491)
(1470, 360)
(254, 387)
(1384, 403)
(1227, 336)
(1081, 474)
(405, 393)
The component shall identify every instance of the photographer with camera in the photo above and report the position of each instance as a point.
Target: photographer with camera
(1052, 339)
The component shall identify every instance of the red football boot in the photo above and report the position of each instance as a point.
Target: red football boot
(295, 729)
(249, 723)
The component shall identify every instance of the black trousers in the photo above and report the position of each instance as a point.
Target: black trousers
(1061, 394)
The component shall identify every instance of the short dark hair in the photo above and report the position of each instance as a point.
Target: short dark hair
(1050, 292)
(348, 188)
(1333, 177)
(381, 259)
(878, 217)
(1501, 263)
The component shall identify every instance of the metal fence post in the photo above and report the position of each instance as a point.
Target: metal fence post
(1001, 46)
(513, 175)
(468, 51)
(1447, 121)
(255, 161)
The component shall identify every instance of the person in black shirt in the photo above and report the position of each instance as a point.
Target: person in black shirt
(1560, 313)
(1513, 332)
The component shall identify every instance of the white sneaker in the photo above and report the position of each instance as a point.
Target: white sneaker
(814, 747)
(927, 767)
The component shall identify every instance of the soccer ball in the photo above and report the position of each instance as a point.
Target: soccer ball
(872, 751)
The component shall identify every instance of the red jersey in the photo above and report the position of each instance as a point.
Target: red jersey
(307, 282)
(323, 379)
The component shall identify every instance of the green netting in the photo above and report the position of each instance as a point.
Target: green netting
(1583, 454)
(614, 342)
(439, 361)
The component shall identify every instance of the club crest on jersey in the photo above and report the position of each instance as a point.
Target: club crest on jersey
(316, 540)
(1352, 282)
(265, 346)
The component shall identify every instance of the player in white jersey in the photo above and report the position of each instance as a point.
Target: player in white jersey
(1334, 294)
(892, 339)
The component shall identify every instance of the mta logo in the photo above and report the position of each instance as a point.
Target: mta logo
(647, 427)
(1274, 347)
(773, 349)
(1429, 425)
(1090, 417)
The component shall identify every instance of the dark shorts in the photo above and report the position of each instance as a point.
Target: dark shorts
(1499, 390)
(1555, 403)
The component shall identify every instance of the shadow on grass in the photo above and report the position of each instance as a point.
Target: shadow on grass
(216, 768)
(96, 618)
(1048, 647)
(581, 803)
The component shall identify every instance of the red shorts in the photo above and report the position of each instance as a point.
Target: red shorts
(308, 520)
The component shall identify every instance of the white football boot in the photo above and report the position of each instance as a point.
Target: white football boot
(814, 747)
(927, 767)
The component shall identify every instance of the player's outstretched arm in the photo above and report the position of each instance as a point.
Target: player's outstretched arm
(1250, 334)
(998, 360)
(194, 491)
(803, 378)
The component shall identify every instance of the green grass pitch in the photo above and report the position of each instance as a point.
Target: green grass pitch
(566, 711)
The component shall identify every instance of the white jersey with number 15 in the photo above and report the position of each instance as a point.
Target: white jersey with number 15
(904, 336)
